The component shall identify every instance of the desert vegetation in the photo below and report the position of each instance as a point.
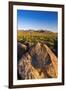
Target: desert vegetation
(43, 36)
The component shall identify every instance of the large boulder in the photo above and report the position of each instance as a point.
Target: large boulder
(39, 62)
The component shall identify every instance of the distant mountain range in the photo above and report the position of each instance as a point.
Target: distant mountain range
(39, 30)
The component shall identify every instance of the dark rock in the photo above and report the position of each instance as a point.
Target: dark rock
(21, 49)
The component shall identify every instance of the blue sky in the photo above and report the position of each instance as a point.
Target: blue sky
(28, 19)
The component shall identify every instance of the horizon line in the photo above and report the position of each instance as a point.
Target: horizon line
(36, 30)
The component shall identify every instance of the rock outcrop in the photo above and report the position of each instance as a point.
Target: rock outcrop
(39, 62)
(21, 49)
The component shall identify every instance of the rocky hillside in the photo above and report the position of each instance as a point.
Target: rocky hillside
(36, 63)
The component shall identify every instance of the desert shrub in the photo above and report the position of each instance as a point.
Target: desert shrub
(56, 46)
(48, 38)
